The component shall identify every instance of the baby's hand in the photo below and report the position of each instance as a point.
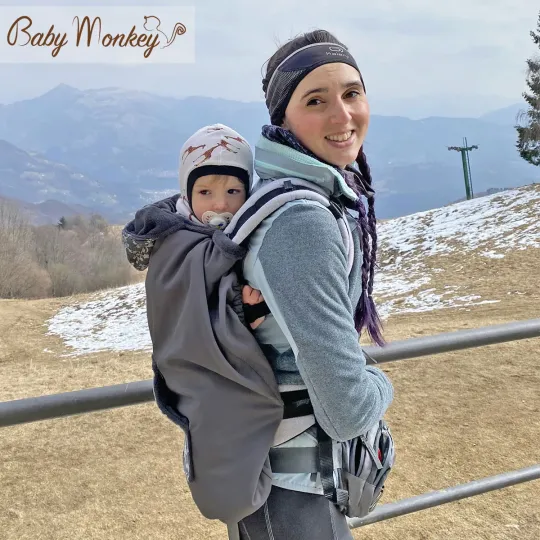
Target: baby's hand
(251, 297)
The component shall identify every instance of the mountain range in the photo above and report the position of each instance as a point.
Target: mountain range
(111, 150)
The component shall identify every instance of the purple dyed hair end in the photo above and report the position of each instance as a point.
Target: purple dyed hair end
(366, 317)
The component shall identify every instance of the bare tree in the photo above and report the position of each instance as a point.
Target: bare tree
(82, 255)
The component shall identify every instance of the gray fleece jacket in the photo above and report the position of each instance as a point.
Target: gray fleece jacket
(297, 259)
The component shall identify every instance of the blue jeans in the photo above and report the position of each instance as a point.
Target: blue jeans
(289, 515)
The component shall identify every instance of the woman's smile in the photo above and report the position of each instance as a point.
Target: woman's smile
(342, 140)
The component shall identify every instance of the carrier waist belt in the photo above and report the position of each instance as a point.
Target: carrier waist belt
(295, 460)
(297, 415)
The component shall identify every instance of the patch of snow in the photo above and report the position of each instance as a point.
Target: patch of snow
(388, 285)
(489, 226)
(492, 255)
(114, 320)
(468, 225)
(428, 300)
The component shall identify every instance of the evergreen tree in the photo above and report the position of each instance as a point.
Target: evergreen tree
(529, 132)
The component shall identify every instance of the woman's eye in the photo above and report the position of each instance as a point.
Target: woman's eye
(353, 93)
(314, 101)
(204, 192)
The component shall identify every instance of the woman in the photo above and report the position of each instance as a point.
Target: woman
(319, 113)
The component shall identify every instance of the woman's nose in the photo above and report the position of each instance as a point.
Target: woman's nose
(340, 113)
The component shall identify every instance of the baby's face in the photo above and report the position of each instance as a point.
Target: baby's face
(218, 193)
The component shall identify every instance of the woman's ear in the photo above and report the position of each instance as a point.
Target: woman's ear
(285, 124)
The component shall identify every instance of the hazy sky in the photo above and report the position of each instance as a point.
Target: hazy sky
(418, 57)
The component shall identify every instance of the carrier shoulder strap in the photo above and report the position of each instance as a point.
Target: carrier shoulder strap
(270, 198)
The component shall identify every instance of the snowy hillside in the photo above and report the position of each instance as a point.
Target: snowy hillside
(414, 252)
(416, 248)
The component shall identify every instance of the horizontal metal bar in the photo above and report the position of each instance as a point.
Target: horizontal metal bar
(95, 399)
(448, 495)
(454, 341)
(33, 409)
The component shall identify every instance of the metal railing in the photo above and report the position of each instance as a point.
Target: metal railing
(34, 409)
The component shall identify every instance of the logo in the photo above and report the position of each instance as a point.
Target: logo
(336, 50)
(152, 23)
(102, 35)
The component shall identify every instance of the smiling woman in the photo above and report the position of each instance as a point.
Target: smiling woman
(318, 93)
(328, 112)
(320, 298)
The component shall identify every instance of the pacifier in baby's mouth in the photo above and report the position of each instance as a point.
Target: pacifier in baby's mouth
(219, 221)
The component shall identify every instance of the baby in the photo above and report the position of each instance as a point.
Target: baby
(216, 176)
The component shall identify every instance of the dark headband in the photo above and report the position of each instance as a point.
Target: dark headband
(295, 67)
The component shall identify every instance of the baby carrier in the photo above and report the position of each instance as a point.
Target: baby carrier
(212, 379)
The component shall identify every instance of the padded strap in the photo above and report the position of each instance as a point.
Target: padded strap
(267, 200)
(306, 459)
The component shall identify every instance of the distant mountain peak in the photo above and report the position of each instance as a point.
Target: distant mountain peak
(117, 149)
(507, 116)
(6, 147)
(63, 89)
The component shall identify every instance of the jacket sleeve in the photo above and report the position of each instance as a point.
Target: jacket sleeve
(305, 284)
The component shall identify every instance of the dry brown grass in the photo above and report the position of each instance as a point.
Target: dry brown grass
(117, 474)
(491, 279)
